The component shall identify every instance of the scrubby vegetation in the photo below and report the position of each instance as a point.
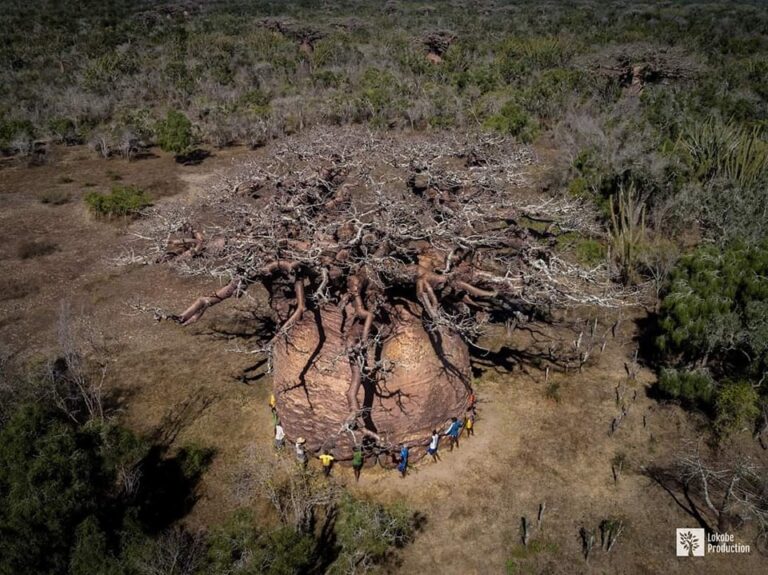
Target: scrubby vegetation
(122, 201)
(659, 109)
(82, 495)
(713, 331)
(79, 493)
(654, 115)
(174, 134)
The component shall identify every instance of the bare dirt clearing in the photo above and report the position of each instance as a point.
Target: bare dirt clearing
(529, 448)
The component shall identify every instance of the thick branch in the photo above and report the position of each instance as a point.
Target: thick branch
(474, 291)
(197, 309)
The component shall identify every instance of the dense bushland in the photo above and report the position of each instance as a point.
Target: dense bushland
(713, 331)
(667, 99)
(82, 495)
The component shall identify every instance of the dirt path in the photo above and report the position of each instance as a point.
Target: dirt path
(455, 494)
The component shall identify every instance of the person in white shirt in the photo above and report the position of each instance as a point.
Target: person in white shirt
(279, 436)
(433, 445)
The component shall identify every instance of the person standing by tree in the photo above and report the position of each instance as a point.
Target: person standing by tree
(301, 454)
(453, 432)
(357, 462)
(327, 461)
(273, 408)
(469, 422)
(279, 436)
(402, 467)
(433, 445)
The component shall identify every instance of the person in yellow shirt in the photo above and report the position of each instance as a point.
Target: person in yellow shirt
(469, 422)
(327, 461)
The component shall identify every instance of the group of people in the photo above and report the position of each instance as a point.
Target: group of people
(452, 432)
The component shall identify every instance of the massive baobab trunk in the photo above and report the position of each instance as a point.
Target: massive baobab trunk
(419, 392)
(383, 257)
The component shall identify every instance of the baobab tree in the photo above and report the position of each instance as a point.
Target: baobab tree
(383, 259)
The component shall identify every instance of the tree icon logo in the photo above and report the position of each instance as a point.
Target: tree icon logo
(690, 542)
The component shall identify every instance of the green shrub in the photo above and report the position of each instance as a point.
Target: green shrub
(547, 96)
(255, 103)
(513, 120)
(714, 315)
(523, 556)
(123, 201)
(737, 408)
(366, 532)
(628, 231)
(91, 498)
(63, 130)
(239, 548)
(49, 471)
(726, 150)
(716, 311)
(91, 554)
(590, 252)
(381, 97)
(693, 388)
(520, 56)
(174, 134)
(101, 74)
(328, 78)
(140, 122)
(553, 391)
(10, 129)
(194, 459)
(579, 187)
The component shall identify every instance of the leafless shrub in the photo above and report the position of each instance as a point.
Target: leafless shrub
(127, 144)
(77, 383)
(732, 489)
(101, 144)
(22, 145)
(175, 552)
(297, 493)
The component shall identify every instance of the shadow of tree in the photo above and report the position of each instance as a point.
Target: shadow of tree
(168, 484)
(193, 158)
(679, 492)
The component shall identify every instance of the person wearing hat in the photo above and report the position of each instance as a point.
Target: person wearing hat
(301, 454)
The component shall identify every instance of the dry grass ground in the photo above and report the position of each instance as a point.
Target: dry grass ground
(529, 448)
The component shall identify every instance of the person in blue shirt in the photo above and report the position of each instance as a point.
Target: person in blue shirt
(453, 431)
(403, 465)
